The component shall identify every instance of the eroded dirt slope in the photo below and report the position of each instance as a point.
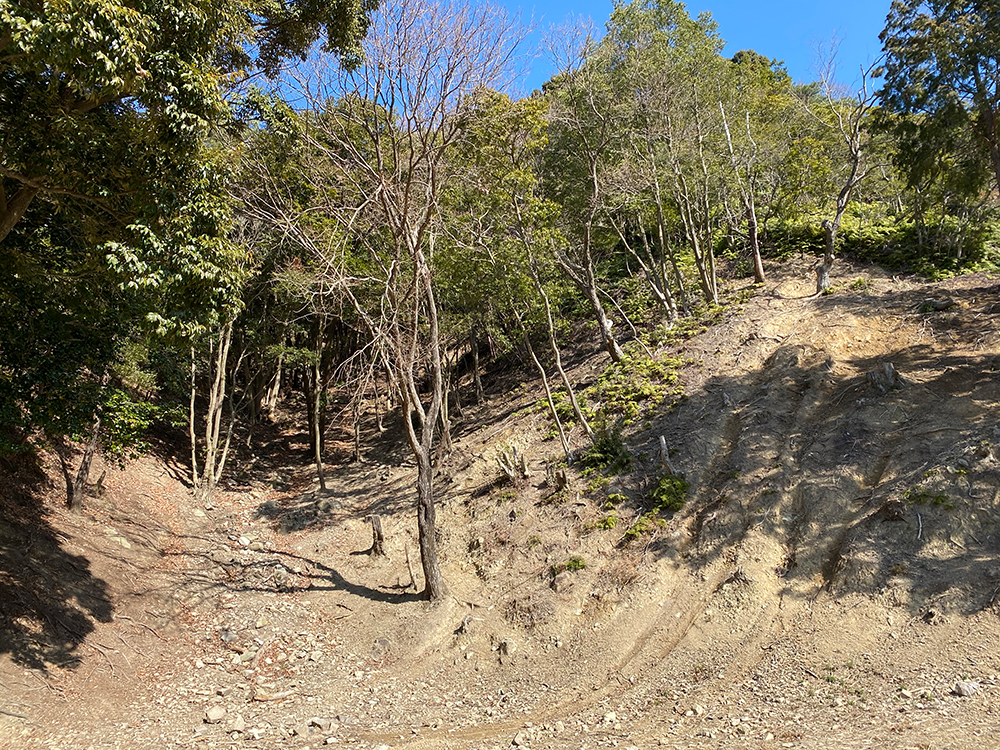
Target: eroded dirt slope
(830, 581)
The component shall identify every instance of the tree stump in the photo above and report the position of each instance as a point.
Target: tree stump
(378, 538)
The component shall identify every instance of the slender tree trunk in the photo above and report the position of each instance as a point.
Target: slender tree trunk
(603, 322)
(474, 344)
(215, 458)
(316, 423)
(823, 269)
(357, 412)
(433, 581)
(83, 473)
(553, 344)
(192, 430)
(666, 251)
(422, 444)
(549, 399)
(754, 237)
(378, 403)
(273, 388)
(444, 441)
(661, 292)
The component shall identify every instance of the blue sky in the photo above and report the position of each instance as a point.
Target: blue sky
(782, 29)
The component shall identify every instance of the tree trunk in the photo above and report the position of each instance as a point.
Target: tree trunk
(12, 210)
(554, 345)
(83, 473)
(754, 237)
(192, 434)
(603, 322)
(823, 269)
(273, 389)
(215, 458)
(474, 343)
(549, 400)
(434, 582)
(378, 538)
(316, 423)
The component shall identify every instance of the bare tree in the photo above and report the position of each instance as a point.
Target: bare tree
(583, 109)
(850, 118)
(378, 137)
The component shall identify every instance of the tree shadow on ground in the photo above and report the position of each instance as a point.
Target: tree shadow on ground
(859, 485)
(49, 598)
(276, 571)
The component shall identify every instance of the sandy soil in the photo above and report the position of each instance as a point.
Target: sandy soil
(831, 582)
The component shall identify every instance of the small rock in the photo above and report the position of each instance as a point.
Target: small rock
(256, 733)
(214, 714)
(238, 724)
(316, 656)
(381, 747)
(559, 727)
(324, 724)
(301, 730)
(562, 582)
(966, 689)
(610, 717)
(255, 546)
(244, 541)
(507, 647)
(347, 719)
(520, 739)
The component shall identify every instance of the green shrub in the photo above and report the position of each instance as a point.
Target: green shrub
(668, 494)
(608, 453)
(637, 381)
(574, 563)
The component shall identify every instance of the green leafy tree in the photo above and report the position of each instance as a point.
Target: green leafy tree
(112, 200)
(941, 62)
(103, 103)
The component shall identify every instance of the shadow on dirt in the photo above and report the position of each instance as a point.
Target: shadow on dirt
(864, 484)
(276, 571)
(49, 599)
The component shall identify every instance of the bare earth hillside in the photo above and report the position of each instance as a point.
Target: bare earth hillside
(831, 582)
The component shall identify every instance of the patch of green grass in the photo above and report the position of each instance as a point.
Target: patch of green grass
(607, 523)
(506, 496)
(638, 382)
(608, 453)
(668, 494)
(574, 563)
(922, 496)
